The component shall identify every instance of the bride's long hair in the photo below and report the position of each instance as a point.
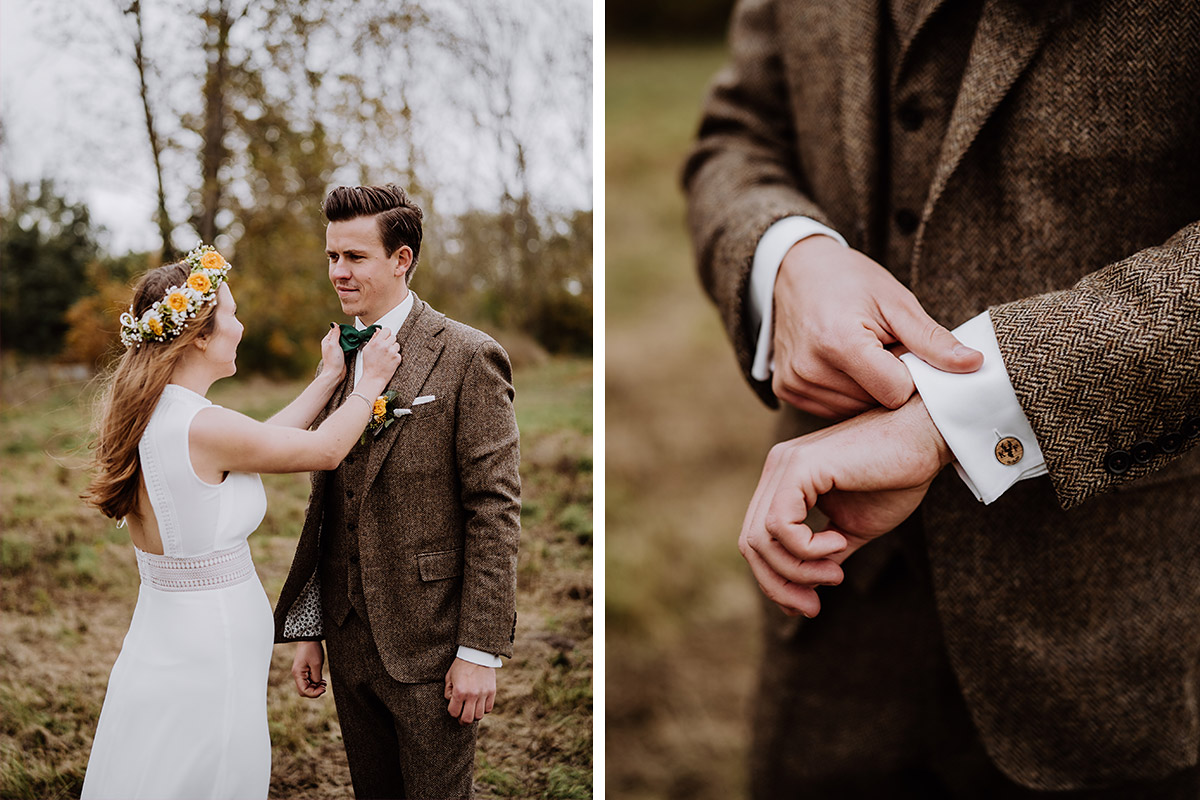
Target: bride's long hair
(131, 392)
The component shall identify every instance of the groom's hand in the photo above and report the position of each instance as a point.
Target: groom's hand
(836, 311)
(471, 690)
(867, 474)
(306, 669)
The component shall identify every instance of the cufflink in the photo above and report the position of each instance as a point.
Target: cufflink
(1009, 450)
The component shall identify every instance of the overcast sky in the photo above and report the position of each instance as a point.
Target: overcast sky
(76, 118)
(47, 133)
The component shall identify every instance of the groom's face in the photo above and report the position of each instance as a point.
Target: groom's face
(368, 281)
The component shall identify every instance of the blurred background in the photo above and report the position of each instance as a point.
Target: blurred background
(131, 130)
(685, 437)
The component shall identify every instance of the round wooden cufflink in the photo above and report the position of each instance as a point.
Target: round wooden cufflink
(1009, 451)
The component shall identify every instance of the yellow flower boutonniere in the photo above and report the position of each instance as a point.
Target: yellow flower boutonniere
(382, 415)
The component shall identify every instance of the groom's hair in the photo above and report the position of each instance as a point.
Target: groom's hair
(397, 217)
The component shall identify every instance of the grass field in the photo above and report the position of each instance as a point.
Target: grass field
(70, 583)
(685, 441)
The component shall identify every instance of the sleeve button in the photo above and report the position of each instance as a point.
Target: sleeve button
(1118, 462)
(1191, 427)
(1170, 442)
(1143, 451)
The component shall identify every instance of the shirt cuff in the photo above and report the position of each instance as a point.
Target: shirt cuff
(979, 416)
(479, 657)
(768, 257)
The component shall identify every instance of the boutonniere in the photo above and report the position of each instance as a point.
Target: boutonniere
(383, 414)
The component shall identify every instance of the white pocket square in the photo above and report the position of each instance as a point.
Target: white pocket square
(423, 399)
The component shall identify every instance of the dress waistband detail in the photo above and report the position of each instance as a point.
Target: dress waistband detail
(199, 573)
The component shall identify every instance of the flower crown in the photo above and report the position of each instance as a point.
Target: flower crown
(168, 317)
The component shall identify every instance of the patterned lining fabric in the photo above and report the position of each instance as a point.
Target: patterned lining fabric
(213, 571)
(304, 617)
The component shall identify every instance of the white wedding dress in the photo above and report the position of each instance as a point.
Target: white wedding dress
(185, 715)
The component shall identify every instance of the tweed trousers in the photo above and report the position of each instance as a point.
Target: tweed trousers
(400, 740)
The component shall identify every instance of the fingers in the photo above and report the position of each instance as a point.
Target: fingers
(792, 598)
(468, 705)
(820, 387)
(787, 559)
(306, 686)
(382, 350)
(822, 402)
(881, 374)
(932, 343)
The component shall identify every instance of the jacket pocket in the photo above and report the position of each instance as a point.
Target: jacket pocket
(440, 565)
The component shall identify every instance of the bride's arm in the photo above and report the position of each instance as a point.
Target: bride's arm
(301, 412)
(222, 440)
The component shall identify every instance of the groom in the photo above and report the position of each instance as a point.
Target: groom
(406, 564)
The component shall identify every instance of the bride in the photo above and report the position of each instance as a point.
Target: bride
(185, 712)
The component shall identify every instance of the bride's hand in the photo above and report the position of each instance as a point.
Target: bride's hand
(381, 356)
(333, 360)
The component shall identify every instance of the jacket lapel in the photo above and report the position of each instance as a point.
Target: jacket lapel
(420, 347)
(925, 10)
(1008, 36)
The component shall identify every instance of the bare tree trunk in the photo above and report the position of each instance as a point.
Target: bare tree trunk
(214, 154)
(165, 227)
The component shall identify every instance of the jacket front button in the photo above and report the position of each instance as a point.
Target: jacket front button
(1170, 442)
(1144, 451)
(350, 493)
(907, 221)
(910, 116)
(1118, 462)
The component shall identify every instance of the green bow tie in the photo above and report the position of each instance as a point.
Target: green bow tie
(352, 338)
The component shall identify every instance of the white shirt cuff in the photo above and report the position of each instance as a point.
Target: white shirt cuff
(768, 257)
(978, 414)
(479, 657)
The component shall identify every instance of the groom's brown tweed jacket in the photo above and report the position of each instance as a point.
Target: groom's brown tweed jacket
(1041, 159)
(434, 501)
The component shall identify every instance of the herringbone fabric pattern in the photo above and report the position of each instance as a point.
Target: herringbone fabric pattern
(1064, 198)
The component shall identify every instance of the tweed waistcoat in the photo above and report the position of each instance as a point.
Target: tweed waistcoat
(340, 572)
(924, 65)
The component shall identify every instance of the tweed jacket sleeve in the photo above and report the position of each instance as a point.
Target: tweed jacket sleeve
(744, 173)
(488, 452)
(1108, 371)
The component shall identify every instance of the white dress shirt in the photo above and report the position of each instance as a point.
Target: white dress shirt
(973, 411)
(392, 320)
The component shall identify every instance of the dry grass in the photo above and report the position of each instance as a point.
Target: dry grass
(685, 440)
(70, 583)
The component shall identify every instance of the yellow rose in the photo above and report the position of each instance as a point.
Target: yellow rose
(177, 301)
(199, 281)
(380, 407)
(155, 326)
(212, 260)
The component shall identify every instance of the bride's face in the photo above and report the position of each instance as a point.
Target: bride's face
(226, 334)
